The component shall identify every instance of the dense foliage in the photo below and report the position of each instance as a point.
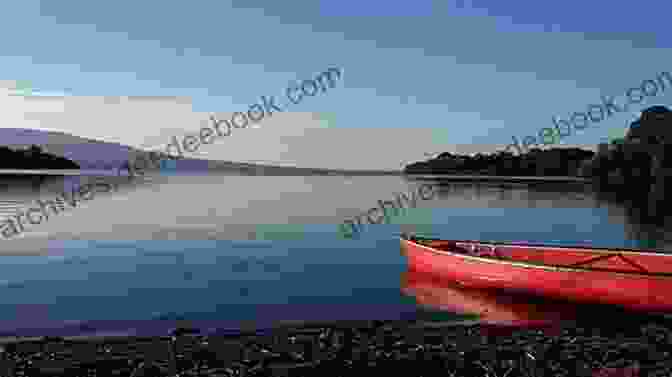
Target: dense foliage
(640, 154)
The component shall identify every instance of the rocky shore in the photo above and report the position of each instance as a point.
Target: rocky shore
(640, 348)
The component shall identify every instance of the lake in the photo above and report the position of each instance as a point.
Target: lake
(223, 251)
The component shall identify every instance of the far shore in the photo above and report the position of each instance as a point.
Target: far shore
(61, 172)
(307, 171)
(265, 170)
(500, 178)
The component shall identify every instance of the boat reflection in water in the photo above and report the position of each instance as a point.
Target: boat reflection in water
(499, 310)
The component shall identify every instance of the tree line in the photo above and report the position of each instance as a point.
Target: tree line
(535, 162)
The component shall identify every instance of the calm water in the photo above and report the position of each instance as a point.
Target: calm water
(227, 250)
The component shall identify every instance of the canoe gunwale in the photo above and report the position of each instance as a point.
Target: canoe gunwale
(600, 250)
(532, 265)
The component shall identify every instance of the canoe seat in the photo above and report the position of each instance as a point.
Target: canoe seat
(478, 250)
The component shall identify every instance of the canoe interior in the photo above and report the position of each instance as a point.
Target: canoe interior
(624, 261)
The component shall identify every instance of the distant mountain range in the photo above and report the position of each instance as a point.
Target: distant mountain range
(96, 154)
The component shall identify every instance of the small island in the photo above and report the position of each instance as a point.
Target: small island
(32, 158)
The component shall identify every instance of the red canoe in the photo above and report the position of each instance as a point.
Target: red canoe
(629, 278)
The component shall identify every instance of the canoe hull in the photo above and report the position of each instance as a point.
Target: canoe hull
(630, 290)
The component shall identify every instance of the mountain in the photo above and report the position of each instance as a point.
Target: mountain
(96, 154)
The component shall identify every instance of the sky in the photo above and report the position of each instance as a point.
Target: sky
(418, 77)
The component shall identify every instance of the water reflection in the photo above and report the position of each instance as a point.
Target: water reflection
(490, 306)
(494, 307)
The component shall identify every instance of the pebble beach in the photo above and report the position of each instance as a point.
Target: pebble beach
(621, 347)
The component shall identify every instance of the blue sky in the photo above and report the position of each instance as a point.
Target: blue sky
(419, 76)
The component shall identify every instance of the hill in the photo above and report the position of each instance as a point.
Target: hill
(96, 154)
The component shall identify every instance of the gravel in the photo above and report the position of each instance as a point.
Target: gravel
(636, 347)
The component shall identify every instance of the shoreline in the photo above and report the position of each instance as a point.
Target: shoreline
(456, 349)
(243, 170)
(305, 172)
(502, 178)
